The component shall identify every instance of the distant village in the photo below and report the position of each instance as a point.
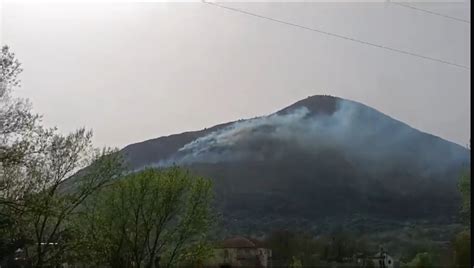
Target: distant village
(242, 251)
(248, 252)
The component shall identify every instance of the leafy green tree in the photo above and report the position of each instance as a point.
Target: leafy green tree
(421, 260)
(197, 255)
(153, 216)
(51, 197)
(37, 194)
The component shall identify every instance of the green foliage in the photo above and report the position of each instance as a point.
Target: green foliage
(462, 241)
(295, 263)
(465, 189)
(286, 245)
(312, 251)
(419, 244)
(462, 249)
(47, 203)
(421, 260)
(149, 215)
(196, 255)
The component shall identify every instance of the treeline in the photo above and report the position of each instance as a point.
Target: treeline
(342, 249)
(290, 248)
(299, 249)
(64, 201)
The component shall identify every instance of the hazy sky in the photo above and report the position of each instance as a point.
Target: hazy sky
(135, 71)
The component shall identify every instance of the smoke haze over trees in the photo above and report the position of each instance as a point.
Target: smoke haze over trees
(320, 157)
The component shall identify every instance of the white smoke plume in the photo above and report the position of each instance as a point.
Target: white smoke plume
(362, 134)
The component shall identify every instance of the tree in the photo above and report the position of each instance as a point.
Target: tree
(38, 192)
(295, 263)
(310, 251)
(465, 189)
(462, 242)
(197, 255)
(19, 128)
(50, 195)
(20, 135)
(421, 260)
(462, 249)
(149, 215)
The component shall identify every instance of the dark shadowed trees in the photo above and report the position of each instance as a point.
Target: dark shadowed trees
(465, 189)
(462, 242)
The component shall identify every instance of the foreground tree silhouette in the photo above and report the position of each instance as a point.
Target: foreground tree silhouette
(20, 143)
(37, 198)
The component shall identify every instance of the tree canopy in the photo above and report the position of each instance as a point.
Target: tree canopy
(150, 217)
(40, 187)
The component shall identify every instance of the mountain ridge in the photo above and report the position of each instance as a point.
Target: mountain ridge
(319, 158)
(313, 101)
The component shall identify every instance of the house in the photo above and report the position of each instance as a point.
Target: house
(383, 260)
(239, 252)
(380, 260)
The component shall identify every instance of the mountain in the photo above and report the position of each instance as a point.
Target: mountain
(321, 158)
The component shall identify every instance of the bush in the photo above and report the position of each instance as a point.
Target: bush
(421, 260)
(462, 249)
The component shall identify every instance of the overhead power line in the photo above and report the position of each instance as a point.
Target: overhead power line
(339, 36)
(430, 12)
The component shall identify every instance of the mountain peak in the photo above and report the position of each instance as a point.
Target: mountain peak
(316, 104)
(321, 156)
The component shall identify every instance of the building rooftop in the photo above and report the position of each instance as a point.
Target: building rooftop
(240, 242)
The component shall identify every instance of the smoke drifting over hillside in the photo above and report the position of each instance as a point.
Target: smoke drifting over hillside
(320, 157)
(361, 134)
